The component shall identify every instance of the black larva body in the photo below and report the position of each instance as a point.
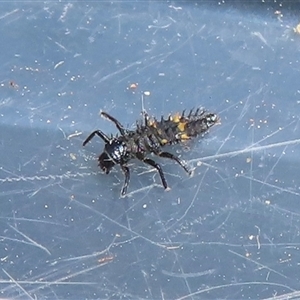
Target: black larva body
(150, 137)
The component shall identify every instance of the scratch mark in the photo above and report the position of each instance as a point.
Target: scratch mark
(9, 13)
(17, 284)
(258, 264)
(31, 240)
(247, 150)
(119, 71)
(189, 275)
(59, 64)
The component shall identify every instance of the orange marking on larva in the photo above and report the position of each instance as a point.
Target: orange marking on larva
(163, 141)
(152, 123)
(176, 118)
(184, 136)
(181, 126)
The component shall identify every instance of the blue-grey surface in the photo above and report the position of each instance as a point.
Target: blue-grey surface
(230, 231)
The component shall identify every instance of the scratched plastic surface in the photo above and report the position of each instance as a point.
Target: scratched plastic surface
(230, 231)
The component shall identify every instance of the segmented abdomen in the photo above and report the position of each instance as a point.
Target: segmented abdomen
(181, 127)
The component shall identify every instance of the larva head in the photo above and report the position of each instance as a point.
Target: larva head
(105, 162)
(115, 152)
